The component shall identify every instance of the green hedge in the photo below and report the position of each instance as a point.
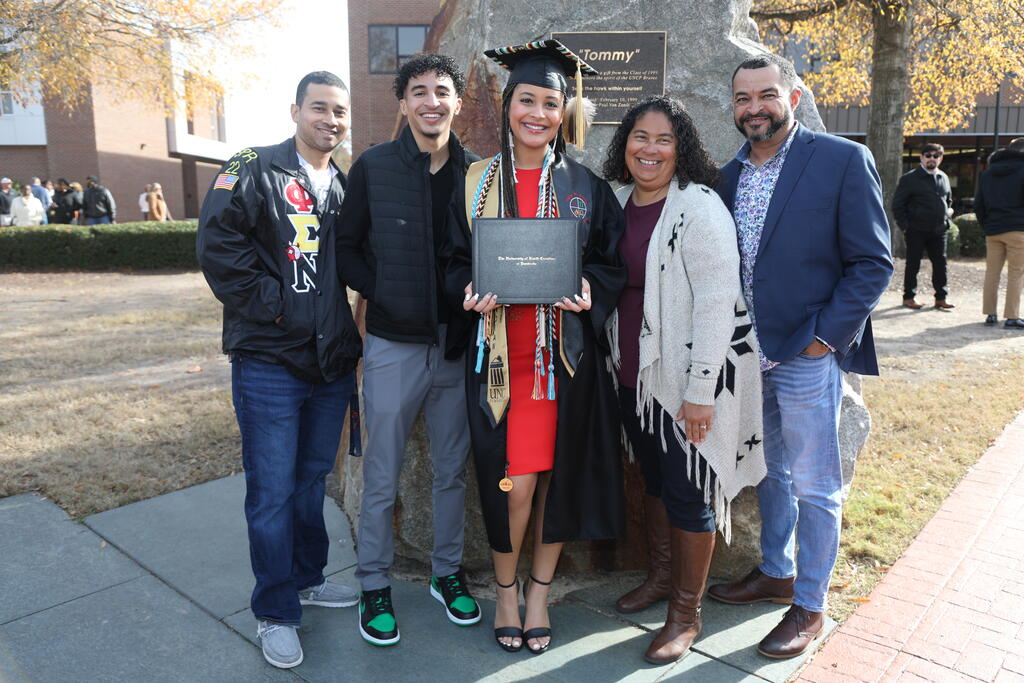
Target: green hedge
(133, 246)
(971, 237)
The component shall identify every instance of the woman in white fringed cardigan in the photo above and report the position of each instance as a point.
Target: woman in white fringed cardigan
(686, 359)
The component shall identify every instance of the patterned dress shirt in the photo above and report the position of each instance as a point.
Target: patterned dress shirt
(753, 194)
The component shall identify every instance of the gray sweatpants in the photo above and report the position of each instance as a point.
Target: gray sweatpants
(399, 380)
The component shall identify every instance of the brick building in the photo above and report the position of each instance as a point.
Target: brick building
(125, 144)
(382, 34)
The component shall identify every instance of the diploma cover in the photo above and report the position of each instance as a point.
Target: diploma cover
(527, 260)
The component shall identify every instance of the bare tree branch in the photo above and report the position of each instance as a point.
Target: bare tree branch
(799, 12)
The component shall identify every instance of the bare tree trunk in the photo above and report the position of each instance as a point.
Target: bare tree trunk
(890, 89)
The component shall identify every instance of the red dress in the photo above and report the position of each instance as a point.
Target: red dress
(531, 423)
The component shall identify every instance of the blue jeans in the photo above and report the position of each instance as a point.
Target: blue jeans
(802, 491)
(102, 220)
(290, 433)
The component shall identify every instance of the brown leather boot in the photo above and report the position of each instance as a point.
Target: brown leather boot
(754, 587)
(793, 635)
(691, 560)
(659, 578)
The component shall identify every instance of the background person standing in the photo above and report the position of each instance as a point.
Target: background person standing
(66, 203)
(7, 195)
(97, 203)
(923, 205)
(999, 205)
(26, 209)
(144, 201)
(43, 195)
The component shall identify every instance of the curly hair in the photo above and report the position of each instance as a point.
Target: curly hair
(693, 163)
(442, 65)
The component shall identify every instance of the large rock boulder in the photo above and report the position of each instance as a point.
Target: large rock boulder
(706, 40)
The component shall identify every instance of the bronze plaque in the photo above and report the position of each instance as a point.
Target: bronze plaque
(631, 66)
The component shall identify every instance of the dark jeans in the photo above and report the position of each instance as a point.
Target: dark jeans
(934, 244)
(290, 432)
(665, 470)
(101, 220)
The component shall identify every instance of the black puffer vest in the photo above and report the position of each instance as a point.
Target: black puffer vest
(401, 239)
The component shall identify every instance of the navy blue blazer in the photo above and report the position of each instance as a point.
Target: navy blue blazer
(824, 258)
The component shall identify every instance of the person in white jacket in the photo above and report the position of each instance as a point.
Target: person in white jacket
(26, 209)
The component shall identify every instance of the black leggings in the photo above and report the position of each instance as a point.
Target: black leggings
(665, 472)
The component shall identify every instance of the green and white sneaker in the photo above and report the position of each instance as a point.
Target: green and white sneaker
(377, 624)
(452, 592)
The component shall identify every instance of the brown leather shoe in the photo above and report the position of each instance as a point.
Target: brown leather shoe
(658, 584)
(754, 587)
(794, 634)
(910, 303)
(943, 304)
(691, 560)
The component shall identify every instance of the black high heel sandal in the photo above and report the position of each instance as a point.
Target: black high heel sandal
(509, 631)
(540, 631)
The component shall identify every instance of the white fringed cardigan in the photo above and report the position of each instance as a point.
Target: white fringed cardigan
(697, 343)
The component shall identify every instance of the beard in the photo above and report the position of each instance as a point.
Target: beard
(774, 126)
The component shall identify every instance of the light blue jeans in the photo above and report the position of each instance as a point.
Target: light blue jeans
(801, 496)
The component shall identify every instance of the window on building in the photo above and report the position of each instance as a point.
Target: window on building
(6, 103)
(391, 46)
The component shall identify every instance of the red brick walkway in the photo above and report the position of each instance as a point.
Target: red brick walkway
(952, 607)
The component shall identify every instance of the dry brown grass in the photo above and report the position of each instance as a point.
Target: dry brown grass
(924, 438)
(100, 401)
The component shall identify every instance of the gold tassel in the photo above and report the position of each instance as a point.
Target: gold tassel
(581, 119)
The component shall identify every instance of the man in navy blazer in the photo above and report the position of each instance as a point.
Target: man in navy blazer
(815, 259)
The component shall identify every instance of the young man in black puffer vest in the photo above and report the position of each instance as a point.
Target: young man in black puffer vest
(393, 230)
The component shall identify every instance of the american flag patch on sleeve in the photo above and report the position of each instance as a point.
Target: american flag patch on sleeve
(225, 181)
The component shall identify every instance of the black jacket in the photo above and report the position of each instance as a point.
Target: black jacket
(921, 201)
(97, 202)
(386, 241)
(999, 203)
(267, 251)
(66, 203)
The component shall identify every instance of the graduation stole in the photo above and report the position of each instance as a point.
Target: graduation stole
(491, 331)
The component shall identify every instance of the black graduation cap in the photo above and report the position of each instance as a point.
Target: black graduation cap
(547, 64)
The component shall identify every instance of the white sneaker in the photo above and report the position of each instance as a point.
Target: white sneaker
(329, 594)
(280, 643)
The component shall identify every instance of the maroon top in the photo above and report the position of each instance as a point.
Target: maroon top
(640, 222)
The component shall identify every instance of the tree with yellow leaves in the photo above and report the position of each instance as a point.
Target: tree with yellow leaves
(920, 64)
(60, 48)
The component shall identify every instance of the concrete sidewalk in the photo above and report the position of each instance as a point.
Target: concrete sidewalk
(159, 591)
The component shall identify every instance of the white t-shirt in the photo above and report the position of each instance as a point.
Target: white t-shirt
(319, 180)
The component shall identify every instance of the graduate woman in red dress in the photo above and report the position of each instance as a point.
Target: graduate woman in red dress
(542, 405)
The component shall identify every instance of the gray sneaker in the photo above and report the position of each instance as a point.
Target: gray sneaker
(280, 643)
(329, 594)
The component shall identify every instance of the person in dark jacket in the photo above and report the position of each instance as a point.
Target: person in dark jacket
(266, 246)
(98, 204)
(393, 231)
(999, 205)
(66, 204)
(922, 206)
(7, 196)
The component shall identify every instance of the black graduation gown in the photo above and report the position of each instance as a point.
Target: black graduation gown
(585, 500)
